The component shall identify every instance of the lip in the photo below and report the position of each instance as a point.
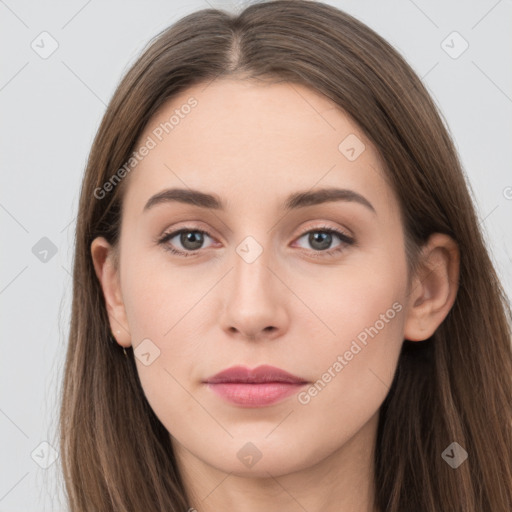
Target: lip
(261, 386)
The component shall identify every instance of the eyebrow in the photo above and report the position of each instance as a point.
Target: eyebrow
(293, 202)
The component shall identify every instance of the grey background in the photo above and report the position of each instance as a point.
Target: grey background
(51, 109)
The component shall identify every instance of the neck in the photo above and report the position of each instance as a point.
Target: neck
(342, 481)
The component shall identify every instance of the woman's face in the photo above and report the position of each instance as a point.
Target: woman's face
(269, 283)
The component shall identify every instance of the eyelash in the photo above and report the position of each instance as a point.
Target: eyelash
(346, 240)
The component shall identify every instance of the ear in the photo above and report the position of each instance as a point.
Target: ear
(105, 260)
(433, 287)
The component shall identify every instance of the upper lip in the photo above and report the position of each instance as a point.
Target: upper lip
(260, 374)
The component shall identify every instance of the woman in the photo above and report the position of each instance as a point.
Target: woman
(282, 298)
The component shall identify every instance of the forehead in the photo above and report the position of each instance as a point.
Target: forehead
(250, 141)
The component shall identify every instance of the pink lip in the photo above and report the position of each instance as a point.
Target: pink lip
(264, 385)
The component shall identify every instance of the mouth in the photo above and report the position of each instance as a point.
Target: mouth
(261, 386)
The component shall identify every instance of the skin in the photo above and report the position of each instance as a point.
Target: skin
(253, 144)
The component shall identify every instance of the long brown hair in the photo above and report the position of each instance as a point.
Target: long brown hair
(454, 387)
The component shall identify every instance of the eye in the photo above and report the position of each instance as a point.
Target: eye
(191, 240)
(321, 239)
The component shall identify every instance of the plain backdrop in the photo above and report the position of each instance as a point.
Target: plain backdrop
(51, 107)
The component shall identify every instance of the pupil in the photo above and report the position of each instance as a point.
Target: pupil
(325, 240)
(192, 237)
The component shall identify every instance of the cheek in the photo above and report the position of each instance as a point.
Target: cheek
(164, 313)
(352, 374)
(158, 295)
(167, 309)
(362, 359)
(356, 298)
(370, 310)
(362, 309)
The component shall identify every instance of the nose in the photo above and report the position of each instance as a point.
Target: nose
(254, 305)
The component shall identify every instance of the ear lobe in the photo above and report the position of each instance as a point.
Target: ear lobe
(104, 257)
(434, 287)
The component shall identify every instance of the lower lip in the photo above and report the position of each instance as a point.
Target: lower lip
(255, 395)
